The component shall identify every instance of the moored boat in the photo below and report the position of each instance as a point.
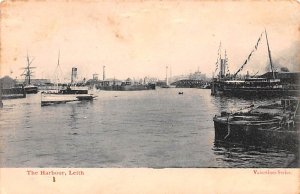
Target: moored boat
(127, 85)
(269, 125)
(271, 84)
(255, 87)
(12, 93)
(68, 94)
(29, 88)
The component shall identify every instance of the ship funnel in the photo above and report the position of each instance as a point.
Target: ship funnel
(223, 68)
(73, 75)
(103, 72)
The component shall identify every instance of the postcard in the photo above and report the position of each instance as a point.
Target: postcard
(149, 96)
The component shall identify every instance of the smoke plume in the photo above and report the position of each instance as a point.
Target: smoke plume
(287, 60)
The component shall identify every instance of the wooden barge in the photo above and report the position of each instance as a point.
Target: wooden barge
(270, 125)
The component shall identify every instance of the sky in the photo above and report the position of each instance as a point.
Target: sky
(140, 38)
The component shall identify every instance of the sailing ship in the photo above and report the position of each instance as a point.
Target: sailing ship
(275, 125)
(29, 88)
(72, 92)
(230, 85)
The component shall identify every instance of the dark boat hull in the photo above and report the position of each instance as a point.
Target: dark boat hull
(128, 87)
(217, 89)
(31, 90)
(259, 134)
(85, 98)
(13, 93)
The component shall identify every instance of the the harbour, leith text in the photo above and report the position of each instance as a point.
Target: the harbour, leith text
(55, 172)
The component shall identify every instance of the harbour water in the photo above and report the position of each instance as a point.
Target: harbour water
(153, 128)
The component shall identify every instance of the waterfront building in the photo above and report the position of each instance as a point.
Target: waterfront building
(8, 82)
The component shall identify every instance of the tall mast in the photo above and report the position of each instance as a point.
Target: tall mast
(58, 66)
(270, 55)
(167, 75)
(226, 63)
(28, 70)
(58, 58)
(220, 61)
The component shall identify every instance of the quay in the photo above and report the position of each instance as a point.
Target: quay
(190, 83)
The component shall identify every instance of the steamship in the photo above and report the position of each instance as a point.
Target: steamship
(269, 84)
(70, 93)
(125, 85)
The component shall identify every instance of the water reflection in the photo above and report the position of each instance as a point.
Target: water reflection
(73, 117)
(233, 104)
(249, 156)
